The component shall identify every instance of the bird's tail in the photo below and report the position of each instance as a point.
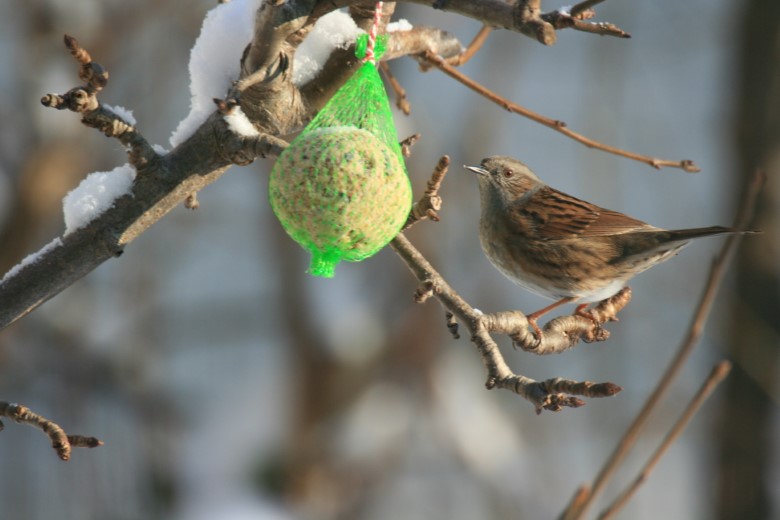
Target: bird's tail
(687, 234)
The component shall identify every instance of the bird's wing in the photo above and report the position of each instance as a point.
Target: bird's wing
(553, 215)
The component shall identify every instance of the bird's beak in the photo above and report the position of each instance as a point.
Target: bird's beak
(477, 169)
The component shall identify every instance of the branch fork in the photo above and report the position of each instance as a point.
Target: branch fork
(559, 335)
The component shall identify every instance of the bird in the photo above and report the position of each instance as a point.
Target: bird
(562, 247)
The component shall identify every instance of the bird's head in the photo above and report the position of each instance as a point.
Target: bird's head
(504, 178)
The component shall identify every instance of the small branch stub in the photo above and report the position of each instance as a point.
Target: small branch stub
(408, 143)
(452, 325)
(424, 291)
(430, 203)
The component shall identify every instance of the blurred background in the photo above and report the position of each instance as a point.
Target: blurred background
(228, 383)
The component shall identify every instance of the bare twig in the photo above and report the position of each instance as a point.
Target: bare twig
(553, 394)
(430, 202)
(718, 374)
(60, 441)
(577, 500)
(473, 47)
(600, 28)
(93, 74)
(83, 99)
(717, 272)
(577, 18)
(400, 94)
(558, 126)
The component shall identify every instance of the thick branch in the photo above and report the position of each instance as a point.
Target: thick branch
(165, 184)
(522, 16)
(268, 98)
(342, 63)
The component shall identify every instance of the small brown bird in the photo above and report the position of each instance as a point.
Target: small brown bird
(562, 247)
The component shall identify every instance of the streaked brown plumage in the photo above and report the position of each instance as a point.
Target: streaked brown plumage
(562, 247)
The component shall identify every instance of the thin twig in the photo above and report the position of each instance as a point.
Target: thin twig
(577, 500)
(717, 272)
(475, 45)
(718, 374)
(578, 17)
(558, 126)
(400, 93)
(60, 441)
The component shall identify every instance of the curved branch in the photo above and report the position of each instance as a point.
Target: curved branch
(60, 441)
(559, 334)
(559, 126)
(551, 395)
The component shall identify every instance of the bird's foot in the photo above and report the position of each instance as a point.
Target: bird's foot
(537, 331)
(541, 312)
(598, 333)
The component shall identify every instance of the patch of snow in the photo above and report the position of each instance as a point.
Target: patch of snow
(335, 30)
(215, 60)
(227, 30)
(31, 259)
(122, 112)
(96, 193)
(399, 25)
(240, 124)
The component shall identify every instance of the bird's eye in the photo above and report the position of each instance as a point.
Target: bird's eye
(508, 173)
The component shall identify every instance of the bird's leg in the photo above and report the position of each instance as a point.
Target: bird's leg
(538, 314)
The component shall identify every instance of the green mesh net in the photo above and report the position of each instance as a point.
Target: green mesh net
(340, 189)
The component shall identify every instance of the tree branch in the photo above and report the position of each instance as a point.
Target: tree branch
(718, 374)
(522, 16)
(559, 126)
(580, 507)
(60, 441)
(266, 95)
(559, 334)
(268, 98)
